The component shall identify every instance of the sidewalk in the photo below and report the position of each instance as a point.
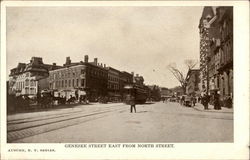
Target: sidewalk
(200, 107)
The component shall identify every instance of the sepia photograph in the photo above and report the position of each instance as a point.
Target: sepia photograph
(98, 74)
(121, 74)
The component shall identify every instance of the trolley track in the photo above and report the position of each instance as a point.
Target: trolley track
(19, 120)
(51, 116)
(29, 128)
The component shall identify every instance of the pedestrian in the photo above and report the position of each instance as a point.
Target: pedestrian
(205, 101)
(182, 100)
(132, 104)
(194, 100)
(217, 101)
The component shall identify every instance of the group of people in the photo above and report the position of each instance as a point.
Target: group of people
(205, 99)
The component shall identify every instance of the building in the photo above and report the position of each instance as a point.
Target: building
(113, 83)
(177, 91)
(28, 79)
(225, 64)
(125, 79)
(154, 92)
(205, 39)
(216, 50)
(193, 80)
(80, 78)
(165, 92)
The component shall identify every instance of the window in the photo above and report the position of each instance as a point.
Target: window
(65, 83)
(62, 83)
(77, 82)
(26, 90)
(69, 83)
(82, 82)
(73, 83)
(26, 82)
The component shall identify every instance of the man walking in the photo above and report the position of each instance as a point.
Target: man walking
(132, 104)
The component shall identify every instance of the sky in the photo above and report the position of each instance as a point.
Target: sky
(143, 40)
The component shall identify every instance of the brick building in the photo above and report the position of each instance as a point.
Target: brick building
(216, 50)
(27, 79)
(193, 80)
(113, 83)
(80, 77)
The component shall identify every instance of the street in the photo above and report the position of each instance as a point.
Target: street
(113, 123)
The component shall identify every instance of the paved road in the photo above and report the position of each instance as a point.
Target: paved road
(113, 123)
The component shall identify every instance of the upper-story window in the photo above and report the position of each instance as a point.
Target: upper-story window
(27, 82)
(69, 83)
(65, 83)
(82, 71)
(32, 83)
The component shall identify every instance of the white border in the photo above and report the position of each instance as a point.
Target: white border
(237, 150)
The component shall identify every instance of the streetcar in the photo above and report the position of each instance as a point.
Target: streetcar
(139, 93)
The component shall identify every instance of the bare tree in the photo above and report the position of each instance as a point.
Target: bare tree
(191, 63)
(179, 75)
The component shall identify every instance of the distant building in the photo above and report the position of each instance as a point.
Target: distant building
(28, 79)
(154, 92)
(90, 78)
(193, 80)
(165, 92)
(177, 91)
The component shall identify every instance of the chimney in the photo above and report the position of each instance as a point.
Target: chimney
(132, 73)
(137, 75)
(86, 58)
(54, 64)
(68, 61)
(104, 65)
(95, 61)
(101, 64)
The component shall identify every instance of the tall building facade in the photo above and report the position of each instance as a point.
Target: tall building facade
(113, 82)
(216, 51)
(75, 78)
(27, 79)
